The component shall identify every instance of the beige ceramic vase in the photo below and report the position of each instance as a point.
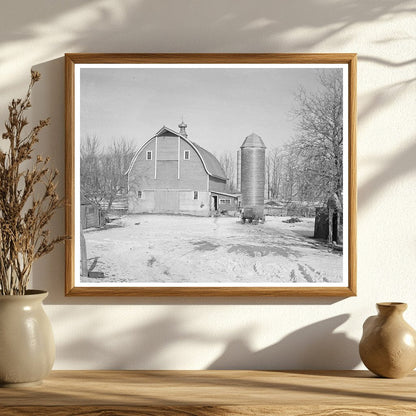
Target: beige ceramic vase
(27, 347)
(388, 344)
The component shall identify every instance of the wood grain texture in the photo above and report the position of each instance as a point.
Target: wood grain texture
(210, 411)
(352, 177)
(69, 174)
(204, 393)
(261, 58)
(341, 292)
(89, 58)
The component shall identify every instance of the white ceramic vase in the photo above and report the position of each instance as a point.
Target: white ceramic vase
(27, 347)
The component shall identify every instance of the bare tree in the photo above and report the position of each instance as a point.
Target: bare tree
(275, 174)
(103, 170)
(289, 160)
(319, 141)
(91, 171)
(228, 163)
(115, 162)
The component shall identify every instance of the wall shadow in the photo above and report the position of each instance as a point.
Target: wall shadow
(48, 100)
(313, 347)
(139, 347)
(129, 26)
(396, 167)
(381, 98)
(241, 26)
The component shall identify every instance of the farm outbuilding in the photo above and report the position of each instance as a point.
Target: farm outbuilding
(90, 213)
(225, 202)
(172, 174)
(329, 223)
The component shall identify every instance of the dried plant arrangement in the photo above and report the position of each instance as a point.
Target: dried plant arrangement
(28, 198)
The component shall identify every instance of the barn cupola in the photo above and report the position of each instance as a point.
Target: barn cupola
(182, 128)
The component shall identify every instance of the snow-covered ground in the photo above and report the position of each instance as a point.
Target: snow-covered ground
(185, 249)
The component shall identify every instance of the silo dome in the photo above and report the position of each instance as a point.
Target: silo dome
(253, 141)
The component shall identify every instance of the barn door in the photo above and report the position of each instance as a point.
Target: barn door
(167, 201)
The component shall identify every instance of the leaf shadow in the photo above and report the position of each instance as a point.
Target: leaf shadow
(401, 164)
(313, 347)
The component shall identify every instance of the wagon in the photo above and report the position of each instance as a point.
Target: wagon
(250, 215)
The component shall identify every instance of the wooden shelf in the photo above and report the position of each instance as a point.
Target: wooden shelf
(202, 393)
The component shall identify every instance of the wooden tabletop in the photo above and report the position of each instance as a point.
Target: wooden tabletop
(254, 393)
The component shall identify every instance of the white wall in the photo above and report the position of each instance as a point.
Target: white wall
(199, 333)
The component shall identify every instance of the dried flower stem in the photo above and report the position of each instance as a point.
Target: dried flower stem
(23, 217)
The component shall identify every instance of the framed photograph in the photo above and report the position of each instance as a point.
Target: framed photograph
(211, 174)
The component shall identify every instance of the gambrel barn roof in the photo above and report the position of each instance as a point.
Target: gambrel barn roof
(210, 162)
(213, 167)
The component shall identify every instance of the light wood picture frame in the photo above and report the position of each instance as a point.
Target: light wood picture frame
(257, 197)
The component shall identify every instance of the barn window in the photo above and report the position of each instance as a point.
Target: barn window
(225, 201)
(91, 210)
(149, 155)
(195, 194)
(186, 154)
(139, 194)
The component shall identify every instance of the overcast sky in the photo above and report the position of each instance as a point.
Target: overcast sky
(220, 106)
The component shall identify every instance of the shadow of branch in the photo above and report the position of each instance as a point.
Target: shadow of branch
(381, 61)
(398, 166)
(316, 346)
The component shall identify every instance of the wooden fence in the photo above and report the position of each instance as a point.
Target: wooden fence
(289, 211)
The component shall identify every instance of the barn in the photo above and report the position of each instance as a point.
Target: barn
(171, 174)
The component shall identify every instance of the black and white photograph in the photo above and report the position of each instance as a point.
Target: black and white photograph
(212, 175)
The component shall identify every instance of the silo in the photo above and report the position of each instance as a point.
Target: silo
(238, 170)
(253, 157)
